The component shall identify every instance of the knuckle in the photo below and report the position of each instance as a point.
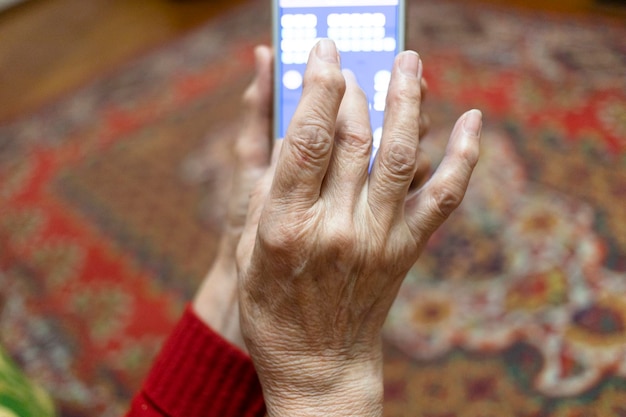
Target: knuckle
(399, 159)
(279, 239)
(341, 251)
(356, 131)
(354, 135)
(469, 154)
(341, 240)
(311, 139)
(445, 200)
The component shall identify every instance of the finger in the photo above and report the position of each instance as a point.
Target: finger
(253, 145)
(396, 162)
(309, 140)
(347, 170)
(428, 208)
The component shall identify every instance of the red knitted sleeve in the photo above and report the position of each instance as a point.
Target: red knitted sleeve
(197, 373)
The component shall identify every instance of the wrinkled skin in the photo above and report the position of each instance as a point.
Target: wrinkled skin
(326, 246)
(216, 303)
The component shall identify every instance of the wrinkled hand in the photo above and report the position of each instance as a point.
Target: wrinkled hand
(326, 246)
(216, 303)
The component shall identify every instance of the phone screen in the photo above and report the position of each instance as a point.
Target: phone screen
(368, 33)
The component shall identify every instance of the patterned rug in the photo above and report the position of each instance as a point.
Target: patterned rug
(111, 206)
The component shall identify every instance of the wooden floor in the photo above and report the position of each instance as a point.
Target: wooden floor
(49, 47)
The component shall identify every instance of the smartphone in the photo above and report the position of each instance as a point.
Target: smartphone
(368, 33)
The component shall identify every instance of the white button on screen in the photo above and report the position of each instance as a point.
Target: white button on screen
(377, 45)
(381, 80)
(310, 20)
(310, 33)
(292, 80)
(288, 58)
(378, 19)
(286, 21)
(333, 19)
(367, 19)
(389, 44)
(379, 100)
(378, 32)
(343, 45)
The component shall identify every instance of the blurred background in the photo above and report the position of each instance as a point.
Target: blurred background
(116, 120)
(51, 46)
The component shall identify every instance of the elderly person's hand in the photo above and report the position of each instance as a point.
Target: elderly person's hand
(216, 302)
(326, 246)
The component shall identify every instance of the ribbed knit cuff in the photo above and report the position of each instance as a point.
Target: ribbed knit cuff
(198, 373)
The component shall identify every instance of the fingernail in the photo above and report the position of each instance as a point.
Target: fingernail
(473, 122)
(327, 51)
(411, 64)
